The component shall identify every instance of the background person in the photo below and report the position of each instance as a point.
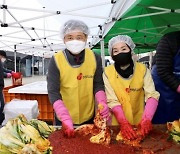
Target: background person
(1, 94)
(6, 72)
(130, 90)
(74, 78)
(166, 75)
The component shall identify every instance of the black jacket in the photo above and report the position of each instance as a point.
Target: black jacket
(166, 49)
(1, 78)
(5, 70)
(1, 94)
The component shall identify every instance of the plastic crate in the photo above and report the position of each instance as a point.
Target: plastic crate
(9, 96)
(45, 108)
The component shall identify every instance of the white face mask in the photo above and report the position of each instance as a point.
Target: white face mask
(75, 46)
(3, 60)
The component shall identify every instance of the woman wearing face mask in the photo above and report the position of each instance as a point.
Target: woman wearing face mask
(74, 78)
(130, 91)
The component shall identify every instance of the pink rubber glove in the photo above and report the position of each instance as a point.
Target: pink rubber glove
(126, 128)
(178, 89)
(101, 99)
(8, 75)
(149, 111)
(63, 114)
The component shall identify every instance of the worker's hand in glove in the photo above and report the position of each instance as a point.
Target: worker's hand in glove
(63, 115)
(145, 127)
(178, 89)
(105, 111)
(149, 111)
(67, 127)
(101, 99)
(8, 75)
(126, 128)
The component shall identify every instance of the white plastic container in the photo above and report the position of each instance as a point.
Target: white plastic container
(27, 107)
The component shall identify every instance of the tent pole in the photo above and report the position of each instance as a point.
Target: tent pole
(47, 30)
(4, 12)
(30, 9)
(150, 60)
(15, 58)
(30, 19)
(19, 65)
(158, 8)
(13, 33)
(102, 53)
(145, 15)
(1, 22)
(44, 25)
(23, 38)
(43, 63)
(82, 15)
(38, 64)
(43, 44)
(19, 24)
(102, 45)
(116, 11)
(86, 7)
(6, 45)
(30, 28)
(119, 12)
(32, 64)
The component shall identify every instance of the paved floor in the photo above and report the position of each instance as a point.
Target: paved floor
(25, 80)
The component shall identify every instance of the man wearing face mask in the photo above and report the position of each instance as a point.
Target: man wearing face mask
(74, 79)
(130, 90)
(7, 73)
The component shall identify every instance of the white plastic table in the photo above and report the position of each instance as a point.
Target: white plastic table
(39, 87)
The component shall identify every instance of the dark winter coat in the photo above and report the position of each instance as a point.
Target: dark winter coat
(166, 49)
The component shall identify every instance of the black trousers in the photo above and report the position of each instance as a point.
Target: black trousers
(1, 107)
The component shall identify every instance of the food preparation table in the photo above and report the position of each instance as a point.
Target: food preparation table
(156, 142)
(33, 91)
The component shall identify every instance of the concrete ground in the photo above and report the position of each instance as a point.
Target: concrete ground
(25, 80)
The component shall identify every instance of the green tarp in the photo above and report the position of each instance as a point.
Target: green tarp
(146, 22)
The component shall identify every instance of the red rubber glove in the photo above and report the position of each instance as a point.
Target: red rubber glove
(63, 114)
(101, 99)
(145, 127)
(127, 131)
(126, 128)
(68, 129)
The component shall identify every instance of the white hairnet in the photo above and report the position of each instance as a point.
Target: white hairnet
(74, 26)
(120, 38)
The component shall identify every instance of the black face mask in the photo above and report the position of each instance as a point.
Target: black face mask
(122, 59)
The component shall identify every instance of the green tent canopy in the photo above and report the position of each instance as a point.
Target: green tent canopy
(146, 22)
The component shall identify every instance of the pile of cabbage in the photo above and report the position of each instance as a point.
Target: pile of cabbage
(174, 130)
(23, 137)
